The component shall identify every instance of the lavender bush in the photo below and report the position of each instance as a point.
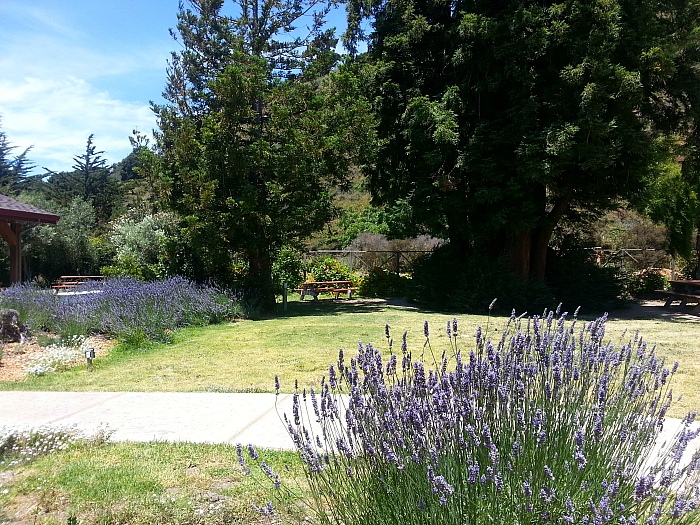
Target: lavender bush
(549, 424)
(131, 310)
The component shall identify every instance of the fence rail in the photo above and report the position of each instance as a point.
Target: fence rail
(400, 261)
(636, 259)
(397, 261)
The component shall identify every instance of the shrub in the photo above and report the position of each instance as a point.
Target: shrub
(59, 356)
(19, 447)
(382, 283)
(577, 281)
(287, 268)
(131, 310)
(642, 284)
(124, 266)
(548, 424)
(328, 269)
(442, 281)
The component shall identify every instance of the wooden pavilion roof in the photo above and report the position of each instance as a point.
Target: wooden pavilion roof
(15, 211)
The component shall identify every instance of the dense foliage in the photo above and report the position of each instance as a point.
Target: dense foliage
(255, 133)
(549, 423)
(497, 120)
(380, 282)
(327, 269)
(65, 248)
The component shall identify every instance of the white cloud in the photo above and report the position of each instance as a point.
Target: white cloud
(64, 76)
(56, 115)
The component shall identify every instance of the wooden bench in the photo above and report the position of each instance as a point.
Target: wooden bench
(684, 298)
(348, 290)
(66, 282)
(334, 287)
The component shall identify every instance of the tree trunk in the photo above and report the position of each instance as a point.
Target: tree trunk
(260, 273)
(543, 234)
(697, 249)
(456, 226)
(518, 248)
(538, 253)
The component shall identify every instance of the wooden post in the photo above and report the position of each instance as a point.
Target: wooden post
(11, 233)
(673, 268)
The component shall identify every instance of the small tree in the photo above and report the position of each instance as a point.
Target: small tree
(13, 170)
(91, 180)
(64, 248)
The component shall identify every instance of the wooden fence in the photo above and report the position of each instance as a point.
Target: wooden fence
(396, 261)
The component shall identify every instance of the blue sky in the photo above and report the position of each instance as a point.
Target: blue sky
(70, 68)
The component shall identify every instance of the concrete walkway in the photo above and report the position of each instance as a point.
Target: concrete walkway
(198, 418)
(138, 416)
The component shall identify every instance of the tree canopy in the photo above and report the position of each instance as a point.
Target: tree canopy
(14, 170)
(497, 119)
(91, 180)
(255, 133)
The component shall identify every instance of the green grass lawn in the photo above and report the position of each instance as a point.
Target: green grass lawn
(244, 356)
(142, 484)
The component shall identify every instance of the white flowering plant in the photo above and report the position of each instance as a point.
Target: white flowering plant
(59, 356)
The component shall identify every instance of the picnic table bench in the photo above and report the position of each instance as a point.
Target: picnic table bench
(684, 291)
(314, 288)
(66, 282)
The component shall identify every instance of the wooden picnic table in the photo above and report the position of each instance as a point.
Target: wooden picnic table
(685, 291)
(71, 281)
(313, 288)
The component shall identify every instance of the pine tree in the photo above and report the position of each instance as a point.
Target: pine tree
(255, 133)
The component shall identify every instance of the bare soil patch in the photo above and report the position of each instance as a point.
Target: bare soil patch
(16, 357)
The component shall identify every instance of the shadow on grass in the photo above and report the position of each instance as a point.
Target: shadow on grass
(631, 310)
(297, 308)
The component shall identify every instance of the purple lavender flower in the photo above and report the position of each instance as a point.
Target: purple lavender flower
(473, 469)
(253, 453)
(527, 490)
(239, 451)
(499, 483)
(425, 329)
(548, 473)
(547, 494)
(598, 429)
(643, 488)
(267, 510)
(332, 377)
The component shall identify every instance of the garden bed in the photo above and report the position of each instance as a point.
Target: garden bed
(16, 357)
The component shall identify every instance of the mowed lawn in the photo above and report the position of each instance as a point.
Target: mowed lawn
(244, 356)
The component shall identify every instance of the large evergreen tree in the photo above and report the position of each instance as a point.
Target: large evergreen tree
(500, 118)
(255, 133)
